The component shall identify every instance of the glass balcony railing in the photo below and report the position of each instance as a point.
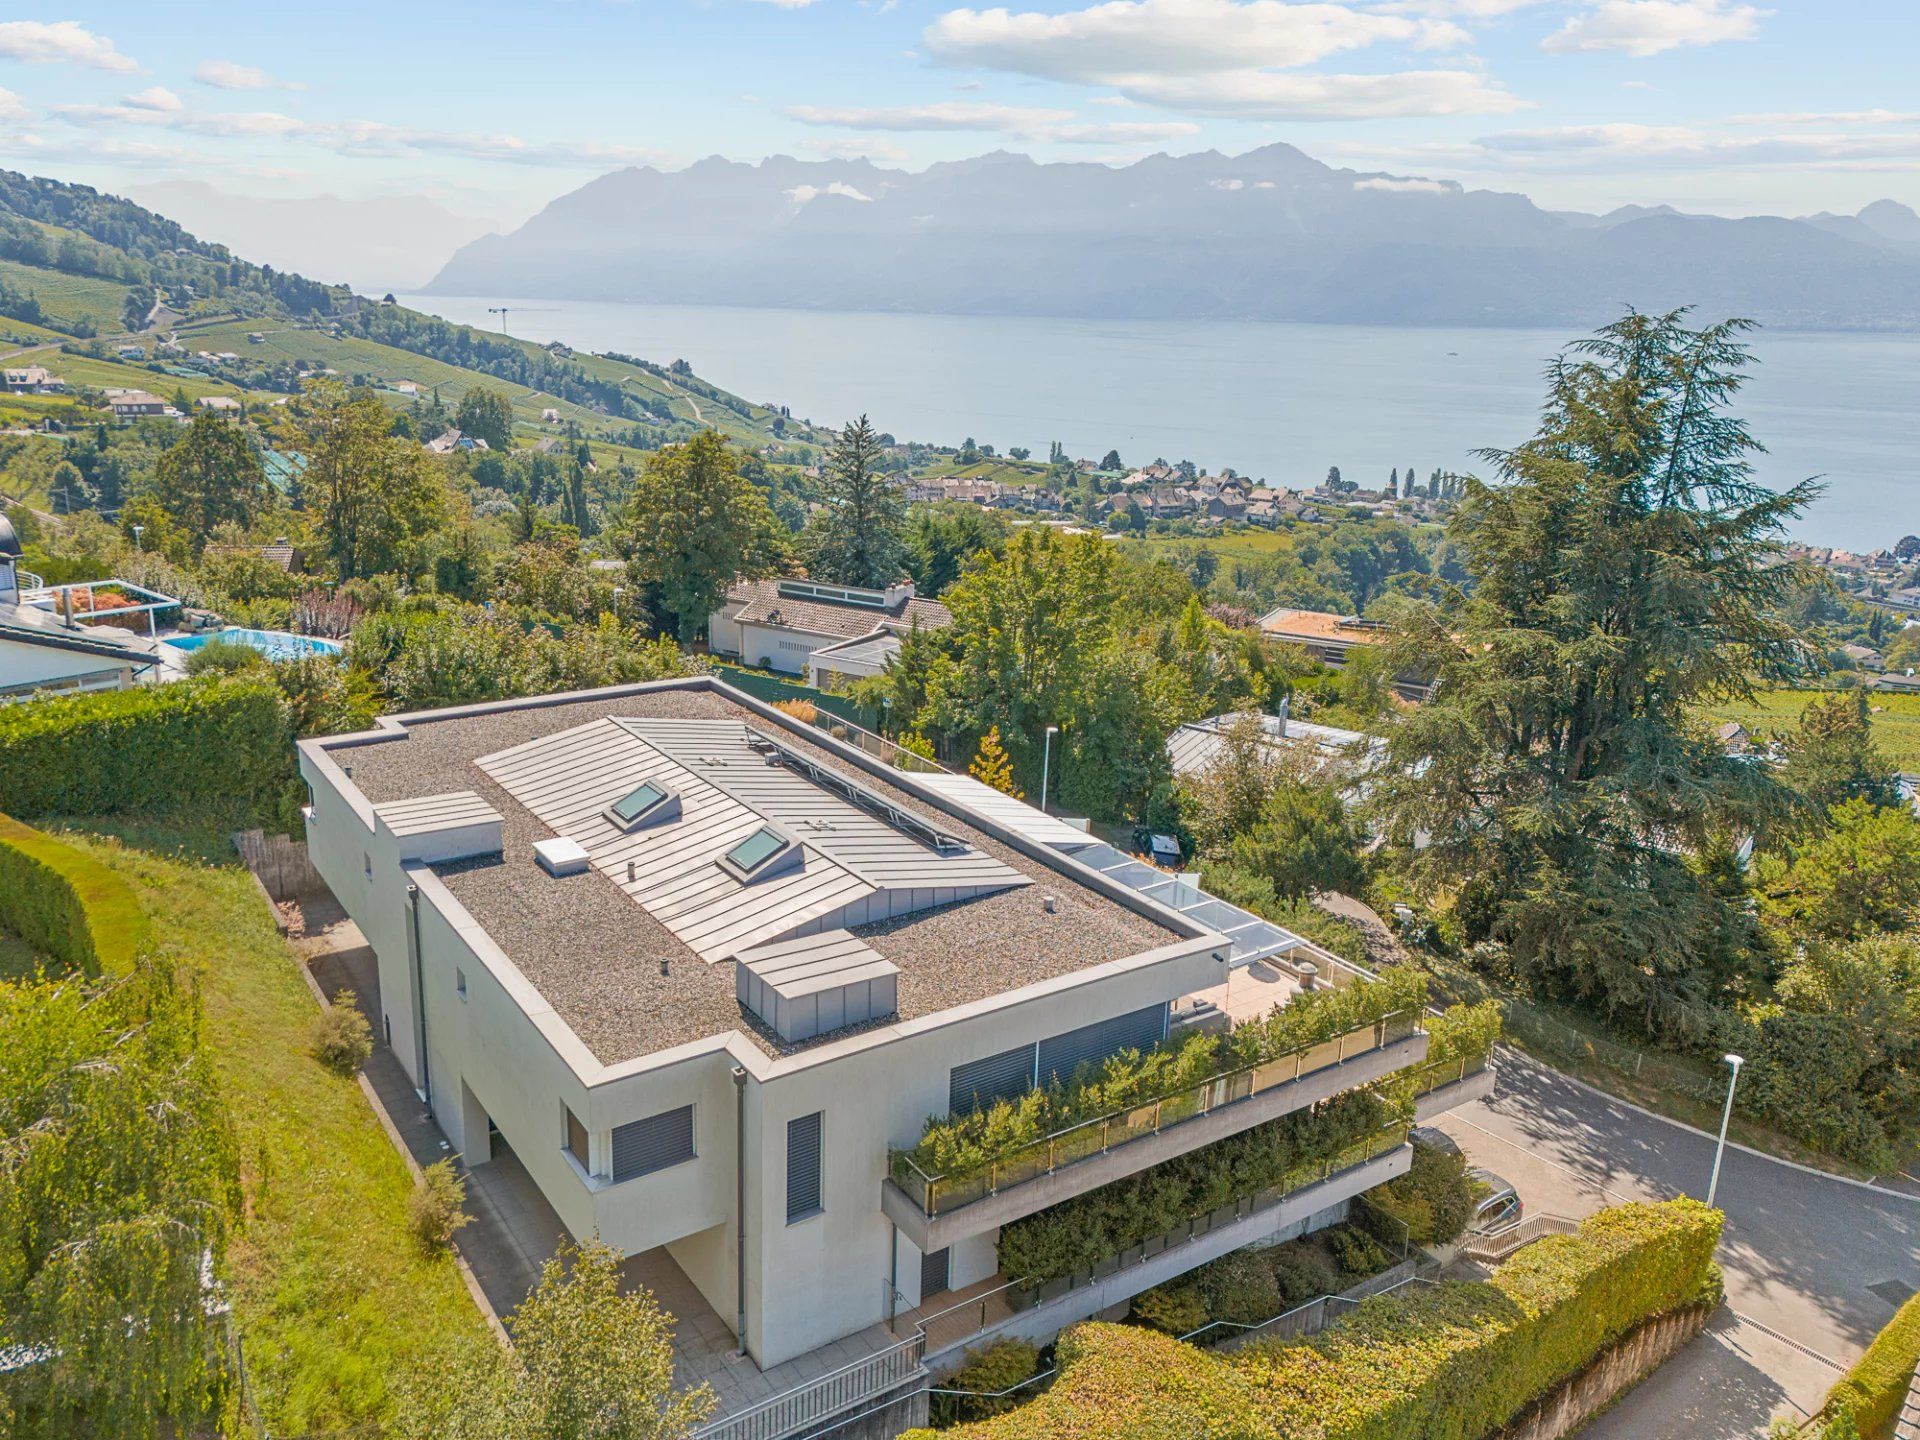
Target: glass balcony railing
(942, 1194)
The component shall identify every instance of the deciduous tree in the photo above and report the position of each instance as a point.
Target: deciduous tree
(370, 492)
(210, 477)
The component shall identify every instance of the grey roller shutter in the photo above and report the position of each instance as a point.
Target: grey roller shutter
(1062, 1055)
(643, 1146)
(936, 1274)
(978, 1083)
(803, 1167)
(577, 1139)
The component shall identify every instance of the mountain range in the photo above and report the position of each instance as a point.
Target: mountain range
(1270, 235)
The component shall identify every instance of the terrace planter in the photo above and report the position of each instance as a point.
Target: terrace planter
(1132, 1255)
(1226, 1215)
(1022, 1299)
(1151, 1247)
(1109, 1266)
(1054, 1289)
(1199, 1225)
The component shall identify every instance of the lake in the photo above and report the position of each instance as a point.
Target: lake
(1278, 401)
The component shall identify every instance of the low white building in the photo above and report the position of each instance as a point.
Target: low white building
(779, 624)
(1193, 747)
(861, 658)
(703, 970)
(44, 648)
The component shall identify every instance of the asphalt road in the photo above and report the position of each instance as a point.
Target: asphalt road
(1814, 1265)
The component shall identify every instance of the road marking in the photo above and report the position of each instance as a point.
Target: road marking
(1511, 1056)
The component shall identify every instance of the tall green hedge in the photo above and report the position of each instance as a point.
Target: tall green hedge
(1868, 1396)
(1450, 1362)
(66, 904)
(153, 746)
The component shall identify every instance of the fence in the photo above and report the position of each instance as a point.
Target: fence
(941, 1194)
(824, 1399)
(281, 863)
(1437, 1074)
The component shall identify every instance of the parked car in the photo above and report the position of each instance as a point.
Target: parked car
(1498, 1204)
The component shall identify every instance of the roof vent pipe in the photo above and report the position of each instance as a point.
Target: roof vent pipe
(1049, 903)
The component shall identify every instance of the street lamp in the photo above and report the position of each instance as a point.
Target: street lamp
(1726, 1116)
(136, 536)
(1046, 761)
(618, 591)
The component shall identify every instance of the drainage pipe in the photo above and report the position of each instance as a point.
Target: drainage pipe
(740, 1203)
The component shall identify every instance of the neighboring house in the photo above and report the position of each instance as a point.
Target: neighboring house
(453, 440)
(1332, 638)
(133, 404)
(1193, 747)
(1898, 684)
(46, 649)
(1864, 657)
(696, 971)
(832, 666)
(408, 387)
(549, 416)
(223, 404)
(282, 554)
(32, 380)
(779, 624)
(1734, 738)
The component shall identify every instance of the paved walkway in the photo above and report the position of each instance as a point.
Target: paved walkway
(515, 1231)
(1814, 1265)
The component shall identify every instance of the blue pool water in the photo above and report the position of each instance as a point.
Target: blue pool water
(274, 644)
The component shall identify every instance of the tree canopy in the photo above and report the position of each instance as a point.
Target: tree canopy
(858, 536)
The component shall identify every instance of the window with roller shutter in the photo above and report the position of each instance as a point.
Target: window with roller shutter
(1063, 1055)
(655, 1143)
(803, 1167)
(978, 1083)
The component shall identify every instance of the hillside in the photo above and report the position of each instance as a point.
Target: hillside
(81, 274)
(1269, 235)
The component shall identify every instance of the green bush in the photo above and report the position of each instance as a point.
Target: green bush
(962, 1144)
(1241, 1287)
(1300, 1274)
(66, 904)
(1447, 1362)
(1171, 1309)
(1357, 1253)
(1080, 1233)
(436, 1210)
(1869, 1395)
(988, 1371)
(1463, 1032)
(1433, 1201)
(342, 1039)
(151, 747)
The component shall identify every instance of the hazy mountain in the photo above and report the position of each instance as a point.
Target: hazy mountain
(392, 243)
(1273, 234)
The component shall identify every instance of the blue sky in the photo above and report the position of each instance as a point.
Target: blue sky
(492, 109)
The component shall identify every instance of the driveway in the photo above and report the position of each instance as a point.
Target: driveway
(1814, 1265)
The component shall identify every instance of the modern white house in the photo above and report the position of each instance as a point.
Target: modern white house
(780, 624)
(706, 972)
(45, 646)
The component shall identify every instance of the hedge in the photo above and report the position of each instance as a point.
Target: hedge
(958, 1145)
(150, 747)
(1454, 1361)
(66, 904)
(1870, 1394)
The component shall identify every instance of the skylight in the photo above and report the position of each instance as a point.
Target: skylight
(638, 804)
(757, 849)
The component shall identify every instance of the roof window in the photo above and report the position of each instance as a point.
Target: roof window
(647, 803)
(760, 853)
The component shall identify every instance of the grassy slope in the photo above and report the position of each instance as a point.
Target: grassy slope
(1896, 720)
(999, 470)
(69, 297)
(332, 1294)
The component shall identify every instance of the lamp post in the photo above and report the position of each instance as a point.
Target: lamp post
(1046, 763)
(136, 537)
(886, 715)
(1726, 1117)
(618, 591)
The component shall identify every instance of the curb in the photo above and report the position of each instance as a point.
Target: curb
(1523, 1059)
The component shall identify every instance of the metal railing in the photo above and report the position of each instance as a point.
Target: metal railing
(1498, 1245)
(967, 1318)
(1437, 1074)
(941, 1194)
(822, 1399)
(1309, 1317)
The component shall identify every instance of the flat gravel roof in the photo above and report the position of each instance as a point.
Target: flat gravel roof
(595, 955)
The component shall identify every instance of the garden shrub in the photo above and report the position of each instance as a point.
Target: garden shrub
(1433, 1201)
(1357, 1253)
(988, 1370)
(1448, 1362)
(1300, 1274)
(435, 1209)
(1079, 1233)
(1869, 1395)
(1241, 1287)
(151, 747)
(342, 1039)
(961, 1144)
(1172, 1309)
(66, 904)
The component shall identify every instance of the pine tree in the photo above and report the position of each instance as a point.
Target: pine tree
(859, 538)
(993, 766)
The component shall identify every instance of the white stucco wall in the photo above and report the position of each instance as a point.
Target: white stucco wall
(23, 664)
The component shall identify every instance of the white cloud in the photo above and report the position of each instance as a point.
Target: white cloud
(226, 75)
(1830, 117)
(1406, 185)
(12, 108)
(1235, 184)
(1636, 84)
(1222, 57)
(50, 42)
(154, 97)
(1683, 147)
(802, 194)
(941, 115)
(1119, 132)
(857, 147)
(1649, 27)
(786, 4)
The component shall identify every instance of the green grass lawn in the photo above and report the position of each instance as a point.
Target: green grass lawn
(69, 297)
(1249, 544)
(1896, 720)
(332, 1295)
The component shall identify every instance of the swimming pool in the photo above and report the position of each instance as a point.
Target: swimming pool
(274, 644)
